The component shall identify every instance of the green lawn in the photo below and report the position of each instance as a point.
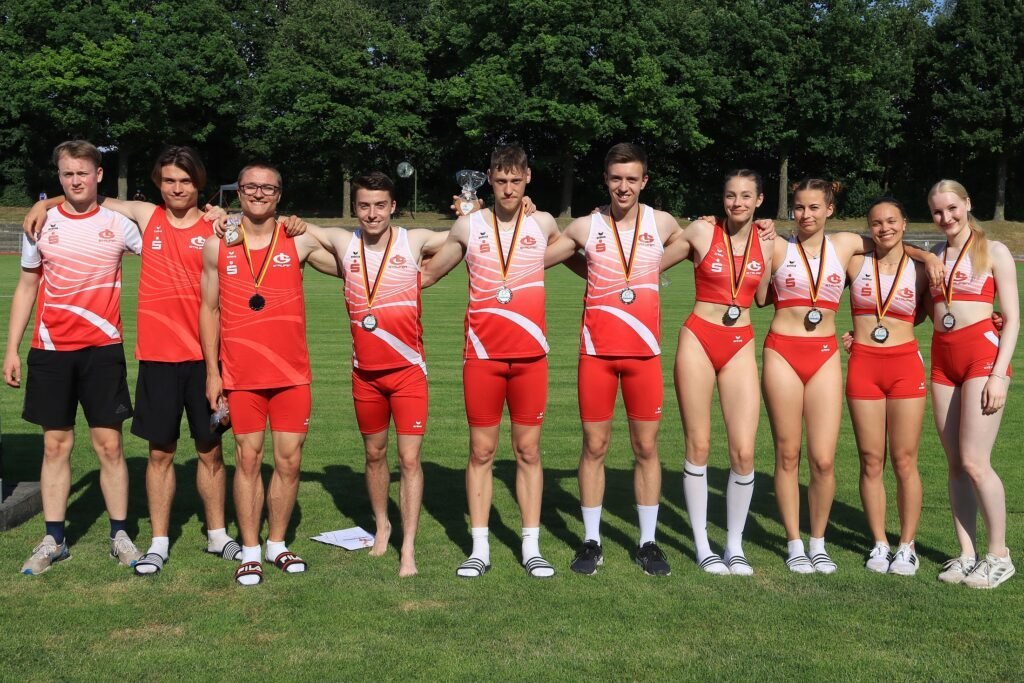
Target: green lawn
(351, 617)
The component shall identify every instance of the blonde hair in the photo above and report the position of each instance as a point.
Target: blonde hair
(979, 248)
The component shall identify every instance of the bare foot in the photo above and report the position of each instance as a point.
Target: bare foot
(407, 565)
(380, 541)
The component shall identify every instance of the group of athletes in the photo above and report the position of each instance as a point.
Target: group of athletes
(221, 337)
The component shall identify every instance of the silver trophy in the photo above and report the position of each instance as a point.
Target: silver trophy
(470, 181)
(232, 227)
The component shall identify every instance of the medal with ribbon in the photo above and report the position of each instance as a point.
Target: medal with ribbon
(813, 316)
(369, 321)
(949, 320)
(881, 332)
(627, 295)
(732, 313)
(256, 301)
(504, 294)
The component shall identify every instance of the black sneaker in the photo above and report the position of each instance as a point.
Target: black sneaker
(652, 560)
(588, 559)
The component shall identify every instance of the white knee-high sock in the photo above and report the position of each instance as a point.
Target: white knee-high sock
(695, 490)
(738, 493)
(592, 524)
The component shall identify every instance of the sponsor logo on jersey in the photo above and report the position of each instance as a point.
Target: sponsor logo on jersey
(906, 293)
(282, 260)
(865, 290)
(398, 260)
(197, 242)
(231, 269)
(835, 279)
(717, 267)
(54, 238)
(354, 268)
(755, 266)
(600, 246)
(157, 245)
(646, 239)
(528, 241)
(961, 276)
(107, 234)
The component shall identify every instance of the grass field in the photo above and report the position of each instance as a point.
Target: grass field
(351, 618)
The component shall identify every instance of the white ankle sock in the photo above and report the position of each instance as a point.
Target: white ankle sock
(738, 493)
(216, 539)
(796, 548)
(161, 546)
(249, 554)
(648, 515)
(531, 542)
(481, 545)
(816, 545)
(695, 490)
(592, 524)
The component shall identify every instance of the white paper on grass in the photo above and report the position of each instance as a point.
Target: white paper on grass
(355, 538)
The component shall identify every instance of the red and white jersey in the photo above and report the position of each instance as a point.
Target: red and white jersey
(793, 287)
(611, 327)
(904, 300)
(263, 349)
(711, 276)
(397, 339)
(79, 303)
(967, 286)
(169, 292)
(515, 329)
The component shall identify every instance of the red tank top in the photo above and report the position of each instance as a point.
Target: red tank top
(263, 349)
(904, 299)
(514, 329)
(612, 327)
(396, 339)
(711, 276)
(169, 293)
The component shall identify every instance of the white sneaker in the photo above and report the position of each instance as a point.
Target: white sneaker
(904, 562)
(957, 569)
(878, 558)
(991, 572)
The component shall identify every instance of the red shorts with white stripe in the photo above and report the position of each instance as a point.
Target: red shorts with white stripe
(720, 343)
(805, 355)
(379, 394)
(598, 383)
(966, 353)
(878, 372)
(287, 407)
(489, 384)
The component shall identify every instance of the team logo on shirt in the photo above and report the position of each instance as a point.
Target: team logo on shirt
(106, 234)
(754, 267)
(835, 279)
(197, 242)
(398, 260)
(282, 260)
(960, 276)
(528, 242)
(646, 239)
(907, 293)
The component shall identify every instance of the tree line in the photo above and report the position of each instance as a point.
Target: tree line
(884, 96)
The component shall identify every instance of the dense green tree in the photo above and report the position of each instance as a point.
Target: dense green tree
(977, 76)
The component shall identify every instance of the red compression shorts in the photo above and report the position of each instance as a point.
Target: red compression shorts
(966, 353)
(805, 355)
(598, 382)
(720, 343)
(379, 394)
(489, 384)
(878, 372)
(287, 407)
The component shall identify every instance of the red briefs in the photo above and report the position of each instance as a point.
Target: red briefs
(287, 407)
(490, 383)
(379, 394)
(805, 355)
(966, 353)
(878, 372)
(720, 343)
(642, 387)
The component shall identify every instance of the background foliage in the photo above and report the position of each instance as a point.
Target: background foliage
(878, 94)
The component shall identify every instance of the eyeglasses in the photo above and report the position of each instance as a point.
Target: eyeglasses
(250, 189)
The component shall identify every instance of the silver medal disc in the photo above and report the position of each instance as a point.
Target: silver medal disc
(949, 321)
(627, 296)
(732, 314)
(369, 322)
(504, 295)
(813, 316)
(880, 334)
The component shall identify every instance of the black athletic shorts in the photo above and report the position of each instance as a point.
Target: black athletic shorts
(58, 381)
(163, 390)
